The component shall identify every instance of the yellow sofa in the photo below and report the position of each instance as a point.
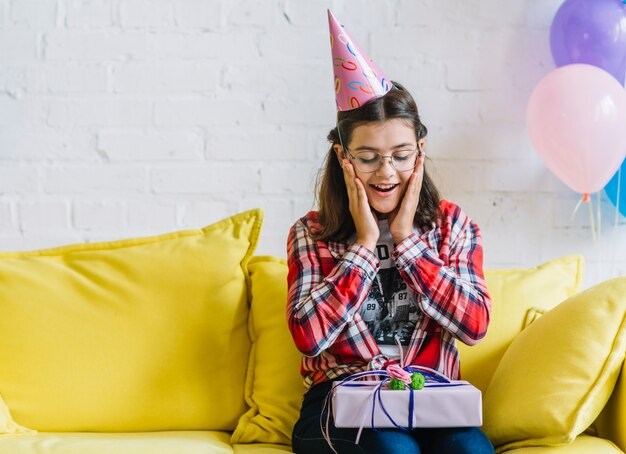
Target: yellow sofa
(178, 343)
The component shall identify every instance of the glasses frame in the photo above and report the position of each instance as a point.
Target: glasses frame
(381, 159)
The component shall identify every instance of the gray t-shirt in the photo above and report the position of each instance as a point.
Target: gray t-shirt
(390, 309)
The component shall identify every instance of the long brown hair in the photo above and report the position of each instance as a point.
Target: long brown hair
(332, 196)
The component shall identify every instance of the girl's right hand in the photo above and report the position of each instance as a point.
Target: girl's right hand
(367, 231)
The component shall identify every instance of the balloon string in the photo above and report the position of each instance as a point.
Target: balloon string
(614, 242)
(580, 201)
(593, 224)
(599, 245)
(599, 212)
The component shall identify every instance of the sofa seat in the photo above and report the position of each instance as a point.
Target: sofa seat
(205, 442)
(179, 442)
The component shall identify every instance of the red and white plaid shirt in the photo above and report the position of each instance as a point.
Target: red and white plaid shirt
(328, 281)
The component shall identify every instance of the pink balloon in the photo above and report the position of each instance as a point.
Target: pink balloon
(576, 119)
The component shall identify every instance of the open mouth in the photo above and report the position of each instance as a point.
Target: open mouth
(384, 187)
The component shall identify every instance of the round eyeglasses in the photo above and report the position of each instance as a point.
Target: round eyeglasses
(371, 161)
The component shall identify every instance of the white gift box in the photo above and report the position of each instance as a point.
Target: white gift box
(454, 404)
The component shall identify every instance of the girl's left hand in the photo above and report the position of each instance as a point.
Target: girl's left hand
(401, 219)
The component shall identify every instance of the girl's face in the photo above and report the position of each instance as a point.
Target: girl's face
(386, 186)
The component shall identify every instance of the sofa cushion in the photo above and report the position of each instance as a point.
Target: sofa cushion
(192, 442)
(274, 385)
(583, 444)
(558, 373)
(134, 335)
(518, 296)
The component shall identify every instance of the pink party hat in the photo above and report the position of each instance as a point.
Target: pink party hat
(357, 78)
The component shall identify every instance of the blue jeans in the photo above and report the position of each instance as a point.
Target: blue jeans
(307, 435)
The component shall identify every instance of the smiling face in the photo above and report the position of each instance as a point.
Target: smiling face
(386, 186)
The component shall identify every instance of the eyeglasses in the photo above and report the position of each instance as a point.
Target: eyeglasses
(371, 161)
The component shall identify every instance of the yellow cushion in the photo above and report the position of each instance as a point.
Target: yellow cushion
(274, 386)
(583, 444)
(197, 442)
(518, 295)
(558, 373)
(135, 335)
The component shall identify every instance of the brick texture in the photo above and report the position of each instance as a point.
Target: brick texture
(121, 118)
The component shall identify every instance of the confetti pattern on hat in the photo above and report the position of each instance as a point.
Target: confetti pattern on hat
(357, 78)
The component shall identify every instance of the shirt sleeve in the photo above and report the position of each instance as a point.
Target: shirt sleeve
(318, 307)
(457, 297)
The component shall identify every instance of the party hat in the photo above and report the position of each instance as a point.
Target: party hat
(357, 78)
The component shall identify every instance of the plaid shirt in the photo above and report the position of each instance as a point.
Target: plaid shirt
(328, 281)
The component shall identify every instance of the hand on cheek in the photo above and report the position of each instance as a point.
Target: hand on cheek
(401, 219)
(367, 231)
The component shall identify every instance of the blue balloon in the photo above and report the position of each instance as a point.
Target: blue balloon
(611, 189)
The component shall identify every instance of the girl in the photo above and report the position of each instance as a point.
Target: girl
(384, 260)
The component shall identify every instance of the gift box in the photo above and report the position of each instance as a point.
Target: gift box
(453, 404)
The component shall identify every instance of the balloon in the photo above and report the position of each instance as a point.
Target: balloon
(591, 32)
(576, 117)
(611, 189)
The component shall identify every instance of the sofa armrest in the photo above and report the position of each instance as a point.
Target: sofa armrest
(611, 424)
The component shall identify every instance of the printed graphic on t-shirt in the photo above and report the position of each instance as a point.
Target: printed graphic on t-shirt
(390, 308)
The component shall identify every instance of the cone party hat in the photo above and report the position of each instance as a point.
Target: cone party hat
(357, 78)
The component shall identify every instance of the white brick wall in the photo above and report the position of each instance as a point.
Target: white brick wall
(121, 118)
